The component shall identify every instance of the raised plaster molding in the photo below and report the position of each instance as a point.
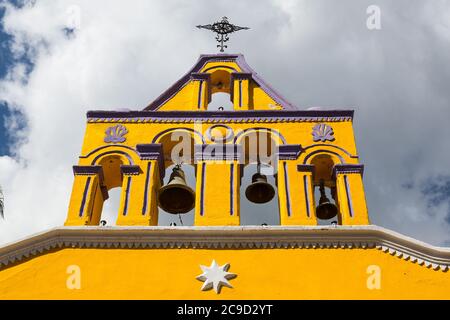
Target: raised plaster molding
(347, 169)
(322, 132)
(87, 170)
(289, 151)
(115, 134)
(130, 169)
(215, 276)
(247, 116)
(201, 62)
(231, 237)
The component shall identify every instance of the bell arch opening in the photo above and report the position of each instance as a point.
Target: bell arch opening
(324, 186)
(220, 101)
(111, 207)
(259, 203)
(109, 191)
(259, 196)
(176, 197)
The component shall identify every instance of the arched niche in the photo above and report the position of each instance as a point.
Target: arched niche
(324, 163)
(178, 149)
(259, 146)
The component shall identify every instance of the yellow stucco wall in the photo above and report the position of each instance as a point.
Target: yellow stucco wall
(261, 274)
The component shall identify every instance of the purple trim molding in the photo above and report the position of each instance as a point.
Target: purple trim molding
(153, 151)
(220, 66)
(241, 76)
(305, 187)
(239, 60)
(306, 168)
(229, 135)
(130, 170)
(83, 201)
(260, 129)
(348, 168)
(286, 185)
(147, 182)
(331, 146)
(202, 189)
(87, 170)
(232, 189)
(238, 76)
(127, 193)
(240, 93)
(218, 151)
(289, 151)
(238, 116)
(323, 151)
(349, 197)
(108, 146)
(130, 160)
(199, 96)
(201, 76)
(155, 138)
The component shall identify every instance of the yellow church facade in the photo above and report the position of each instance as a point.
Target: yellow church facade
(322, 249)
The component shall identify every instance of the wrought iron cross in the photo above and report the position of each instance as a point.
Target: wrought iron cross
(223, 28)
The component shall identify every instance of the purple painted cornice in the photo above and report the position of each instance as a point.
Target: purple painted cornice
(240, 61)
(130, 169)
(88, 171)
(150, 151)
(240, 76)
(221, 116)
(305, 168)
(289, 151)
(348, 168)
(153, 151)
(204, 76)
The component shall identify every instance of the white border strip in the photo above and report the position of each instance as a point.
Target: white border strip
(232, 237)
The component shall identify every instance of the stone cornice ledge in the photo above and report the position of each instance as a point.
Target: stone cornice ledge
(243, 116)
(251, 237)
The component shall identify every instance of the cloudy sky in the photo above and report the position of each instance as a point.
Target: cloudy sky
(59, 59)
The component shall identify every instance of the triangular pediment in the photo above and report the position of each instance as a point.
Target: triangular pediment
(227, 73)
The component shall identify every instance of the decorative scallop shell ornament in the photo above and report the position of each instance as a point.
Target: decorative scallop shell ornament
(322, 132)
(115, 134)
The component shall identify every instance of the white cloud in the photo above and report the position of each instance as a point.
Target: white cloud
(316, 53)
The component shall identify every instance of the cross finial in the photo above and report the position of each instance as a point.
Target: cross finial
(223, 28)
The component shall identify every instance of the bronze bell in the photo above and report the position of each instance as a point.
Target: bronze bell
(176, 197)
(259, 191)
(326, 209)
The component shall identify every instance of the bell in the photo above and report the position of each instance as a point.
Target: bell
(176, 197)
(259, 191)
(325, 210)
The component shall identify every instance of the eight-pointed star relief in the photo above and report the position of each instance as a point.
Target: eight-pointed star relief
(215, 276)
